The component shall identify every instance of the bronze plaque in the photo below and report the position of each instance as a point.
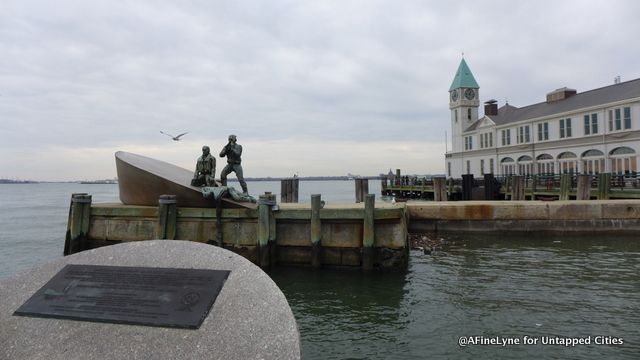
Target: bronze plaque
(165, 297)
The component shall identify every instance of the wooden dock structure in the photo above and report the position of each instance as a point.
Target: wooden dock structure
(364, 235)
(536, 187)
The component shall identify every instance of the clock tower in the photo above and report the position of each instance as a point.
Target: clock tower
(463, 102)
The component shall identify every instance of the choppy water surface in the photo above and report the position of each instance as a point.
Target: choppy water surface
(501, 289)
(490, 287)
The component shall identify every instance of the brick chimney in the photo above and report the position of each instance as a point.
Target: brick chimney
(491, 107)
(560, 94)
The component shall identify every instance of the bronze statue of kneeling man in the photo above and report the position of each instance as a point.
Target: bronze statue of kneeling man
(205, 169)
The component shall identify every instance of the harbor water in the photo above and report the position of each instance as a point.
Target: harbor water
(477, 297)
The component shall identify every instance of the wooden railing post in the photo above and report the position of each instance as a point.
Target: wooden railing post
(604, 181)
(368, 234)
(565, 186)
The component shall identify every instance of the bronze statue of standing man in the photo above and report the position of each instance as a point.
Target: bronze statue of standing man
(205, 169)
(233, 151)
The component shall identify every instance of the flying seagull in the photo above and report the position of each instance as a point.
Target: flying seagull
(175, 138)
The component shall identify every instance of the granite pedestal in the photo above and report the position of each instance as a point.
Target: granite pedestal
(250, 318)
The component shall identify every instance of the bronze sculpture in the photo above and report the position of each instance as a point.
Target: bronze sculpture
(205, 169)
(233, 151)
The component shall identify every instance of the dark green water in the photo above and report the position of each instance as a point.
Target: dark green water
(490, 287)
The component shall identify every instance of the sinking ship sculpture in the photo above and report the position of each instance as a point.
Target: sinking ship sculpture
(142, 180)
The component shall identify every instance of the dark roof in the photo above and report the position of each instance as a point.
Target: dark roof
(604, 95)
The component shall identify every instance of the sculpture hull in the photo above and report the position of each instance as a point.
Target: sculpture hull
(142, 180)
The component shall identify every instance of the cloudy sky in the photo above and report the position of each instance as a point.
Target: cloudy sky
(309, 87)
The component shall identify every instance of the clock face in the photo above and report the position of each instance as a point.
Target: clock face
(469, 94)
(454, 95)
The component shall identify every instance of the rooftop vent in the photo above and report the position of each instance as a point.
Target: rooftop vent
(560, 94)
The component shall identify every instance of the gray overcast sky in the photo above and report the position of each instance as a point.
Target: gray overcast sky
(309, 87)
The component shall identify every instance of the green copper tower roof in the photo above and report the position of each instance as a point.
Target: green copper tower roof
(464, 78)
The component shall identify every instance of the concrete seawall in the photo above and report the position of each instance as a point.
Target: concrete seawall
(557, 217)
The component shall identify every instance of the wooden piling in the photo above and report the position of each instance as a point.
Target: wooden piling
(289, 190)
(316, 230)
(67, 236)
(362, 189)
(467, 186)
(167, 215)
(273, 256)
(604, 179)
(565, 186)
(263, 231)
(439, 189)
(368, 234)
(583, 191)
(79, 217)
(517, 190)
(534, 186)
(398, 179)
(489, 187)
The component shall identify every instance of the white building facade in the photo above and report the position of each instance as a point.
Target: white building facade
(597, 131)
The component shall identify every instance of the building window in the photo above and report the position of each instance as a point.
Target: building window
(592, 162)
(565, 128)
(490, 166)
(627, 118)
(507, 166)
(456, 115)
(468, 142)
(623, 160)
(543, 131)
(469, 114)
(594, 123)
(486, 140)
(523, 134)
(587, 125)
(545, 164)
(616, 121)
(468, 166)
(481, 167)
(506, 137)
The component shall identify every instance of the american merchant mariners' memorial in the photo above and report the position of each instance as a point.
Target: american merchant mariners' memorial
(176, 269)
